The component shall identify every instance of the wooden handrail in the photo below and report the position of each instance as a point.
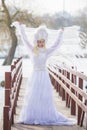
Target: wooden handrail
(72, 85)
(65, 82)
(69, 92)
(77, 73)
(12, 85)
(68, 69)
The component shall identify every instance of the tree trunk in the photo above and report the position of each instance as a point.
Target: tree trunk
(10, 56)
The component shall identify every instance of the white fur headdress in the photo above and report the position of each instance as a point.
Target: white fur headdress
(41, 33)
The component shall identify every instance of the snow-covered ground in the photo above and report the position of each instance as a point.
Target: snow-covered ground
(65, 54)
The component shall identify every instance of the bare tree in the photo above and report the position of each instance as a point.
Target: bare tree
(9, 58)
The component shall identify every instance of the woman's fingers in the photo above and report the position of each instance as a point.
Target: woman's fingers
(15, 24)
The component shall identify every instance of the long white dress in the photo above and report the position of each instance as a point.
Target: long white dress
(39, 106)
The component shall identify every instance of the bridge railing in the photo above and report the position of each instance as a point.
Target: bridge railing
(69, 84)
(12, 85)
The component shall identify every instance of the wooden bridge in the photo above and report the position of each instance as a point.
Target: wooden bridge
(69, 97)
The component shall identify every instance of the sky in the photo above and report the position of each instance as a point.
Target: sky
(50, 6)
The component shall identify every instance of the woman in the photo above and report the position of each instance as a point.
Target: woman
(39, 107)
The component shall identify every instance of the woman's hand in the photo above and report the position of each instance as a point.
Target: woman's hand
(15, 24)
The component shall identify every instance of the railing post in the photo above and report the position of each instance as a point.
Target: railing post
(67, 95)
(60, 90)
(6, 122)
(6, 126)
(63, 91)
(86, 114)
(57, 88)
(73, 104)
(52, 80)
(13, 67)
(80, 97)
(56, 83)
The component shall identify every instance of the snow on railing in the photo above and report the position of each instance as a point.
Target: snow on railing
(69, 84)
(13, 80)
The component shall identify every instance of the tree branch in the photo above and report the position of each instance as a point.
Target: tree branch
(15, 14)
(7, 13)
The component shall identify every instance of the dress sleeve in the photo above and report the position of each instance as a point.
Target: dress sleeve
(22, 33)
(56, 45)
(24, 38)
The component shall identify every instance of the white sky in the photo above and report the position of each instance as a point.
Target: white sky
(50, 6)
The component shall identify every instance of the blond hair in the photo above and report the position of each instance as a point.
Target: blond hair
(35, 49)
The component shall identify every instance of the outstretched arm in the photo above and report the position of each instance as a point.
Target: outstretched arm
(21, 31)
(57, 44)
